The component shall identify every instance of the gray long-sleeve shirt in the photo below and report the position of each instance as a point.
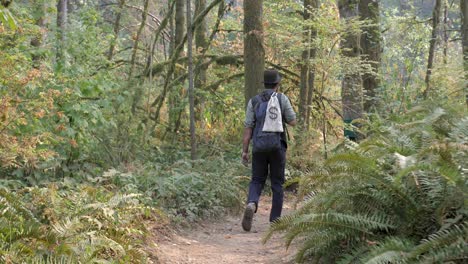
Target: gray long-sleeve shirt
(286, 110)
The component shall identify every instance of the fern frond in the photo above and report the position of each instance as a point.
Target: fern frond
(442, 239)
(392, 250)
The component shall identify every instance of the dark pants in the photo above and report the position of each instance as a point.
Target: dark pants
(275, 162)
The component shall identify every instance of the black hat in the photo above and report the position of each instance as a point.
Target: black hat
(271, 76)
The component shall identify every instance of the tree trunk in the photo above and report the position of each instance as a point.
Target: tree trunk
(432, 45)
(310, 92)
(351, 89)
(305, 64)
(464, 14)
(175, 110)
(61, 30)
(193, 142)
(254, 53)
(446, 27)
(179, 22)
(311, 71)
(201, 43)
(110, 54)
(370, 46)
(138, 91)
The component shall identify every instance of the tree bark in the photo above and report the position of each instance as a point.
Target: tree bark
(351, 89)
(446, 27)
(110, 54)
(193, 142)
(305, 64)
(370, 45)
(179, 22)
(254, 53)
(432, 45)
(175, 111)
(201, 43)
(138, 91)
(61, 30)
(311, 70)
(464, 14)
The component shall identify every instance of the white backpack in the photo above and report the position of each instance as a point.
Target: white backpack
(273, 119)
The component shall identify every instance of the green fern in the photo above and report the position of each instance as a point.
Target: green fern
(362, 206)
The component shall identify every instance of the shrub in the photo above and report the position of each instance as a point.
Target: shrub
(186, 189)
(69, 225)
(397, 197)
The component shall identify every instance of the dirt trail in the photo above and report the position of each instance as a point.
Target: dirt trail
(225, 242)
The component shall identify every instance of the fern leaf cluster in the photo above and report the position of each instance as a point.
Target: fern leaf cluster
(397, 197)
(83, 225)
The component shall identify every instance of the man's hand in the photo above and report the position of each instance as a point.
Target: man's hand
(245, 158)
(245, 145)
(293, 123)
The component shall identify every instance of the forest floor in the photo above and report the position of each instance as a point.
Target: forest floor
(224, 241)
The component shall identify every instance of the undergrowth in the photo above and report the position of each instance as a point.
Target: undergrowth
(106, 218)
(73, 224)
(400, 196)
(187, 190)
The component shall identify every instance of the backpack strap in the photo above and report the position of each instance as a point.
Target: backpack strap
(255, 103)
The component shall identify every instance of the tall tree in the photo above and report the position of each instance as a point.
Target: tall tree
(201, 43)
(446, 28)
(311, 70)
(371, 49)
(193, 142)
(175, 112)
(432, 45)
(61, 30)
(464, 15)
(138, 90)
(351, 89)
(307, 74)
(254, 53)
(179, 22)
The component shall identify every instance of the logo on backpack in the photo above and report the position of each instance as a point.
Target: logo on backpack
(273, 113)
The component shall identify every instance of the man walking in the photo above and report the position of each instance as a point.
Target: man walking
(269, 148)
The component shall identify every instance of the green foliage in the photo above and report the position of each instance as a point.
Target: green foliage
(397, 197)
(6, 18)
(73, 224)
(187, 190)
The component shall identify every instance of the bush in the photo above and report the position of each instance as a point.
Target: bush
(186, 189)
(69, 225)
(397, 197)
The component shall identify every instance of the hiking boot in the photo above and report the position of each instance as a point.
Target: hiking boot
(248, 216)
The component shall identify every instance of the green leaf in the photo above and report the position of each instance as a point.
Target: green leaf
(7, 18)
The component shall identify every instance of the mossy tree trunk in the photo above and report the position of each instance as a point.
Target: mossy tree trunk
(307, 72)
(432, 45)
(201, 43)
(175, 104)
(371, 49)
(254, 53)
(464, 15)
(351, 89)
(191, 90)
(62, 14)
